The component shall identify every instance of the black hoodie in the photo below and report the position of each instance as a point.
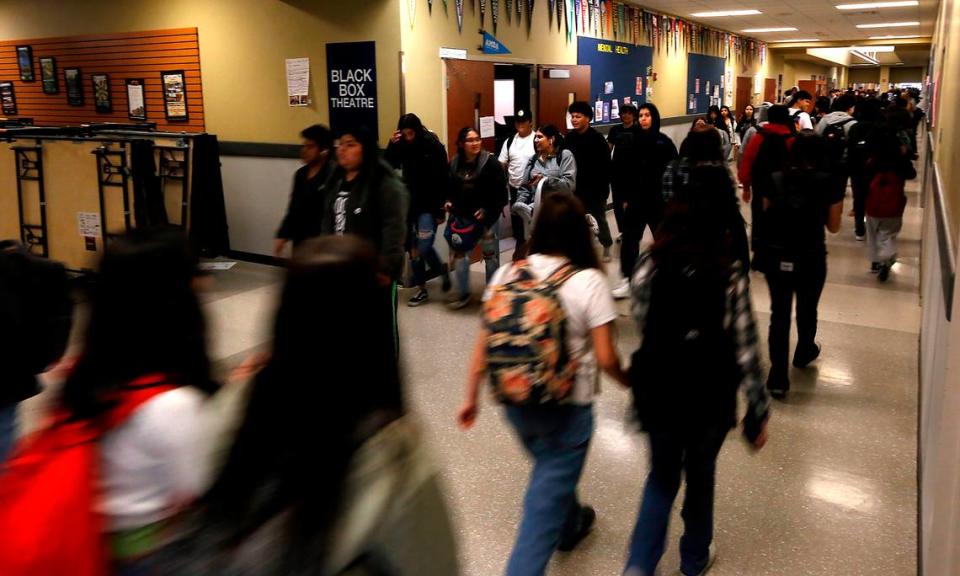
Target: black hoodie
(654, 150)
(425, 172)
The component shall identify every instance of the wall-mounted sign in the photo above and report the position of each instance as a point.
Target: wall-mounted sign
(493, 46)
(453, 54)
(101, 93)
(48, 75)
(8, 99)
(136, 104)
(352, 86)
(25, 63)
(298, 81)
(73, 82)
(174, 95)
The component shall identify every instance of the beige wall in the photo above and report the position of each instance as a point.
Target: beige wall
(243, 44)
(543, 45)
(906, 74)
(865, 75)
(794, 70)
(946, 134)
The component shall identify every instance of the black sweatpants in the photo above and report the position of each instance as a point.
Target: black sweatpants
(804, 277)
(861, 186)
(636, 218)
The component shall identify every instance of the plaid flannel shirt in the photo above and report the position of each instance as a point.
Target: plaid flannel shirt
(738, 319)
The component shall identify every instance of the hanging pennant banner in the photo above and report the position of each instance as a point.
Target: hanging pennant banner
(483, 11)
(413, 12)
(495, 13)
(529, 14)
(550, 8)
(460, 16)
(519, 8)
(493, 46)
(560, 11)
(568, 18)
(430, 6)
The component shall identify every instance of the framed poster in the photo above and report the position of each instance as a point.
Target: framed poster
(136, 104)
(8, 100)
(101, 93)
(174, 95)
(73, 81)
(25, 63)
(48, 75)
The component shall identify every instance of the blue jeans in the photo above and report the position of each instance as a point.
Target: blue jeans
(695, 452)
(557, 438)
(425, 231)
(490, 246)
(8, 430)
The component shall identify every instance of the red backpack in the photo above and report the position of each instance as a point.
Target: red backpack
(48, 492)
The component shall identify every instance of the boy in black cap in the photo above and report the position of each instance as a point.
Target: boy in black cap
(592, 156)
(621, 140)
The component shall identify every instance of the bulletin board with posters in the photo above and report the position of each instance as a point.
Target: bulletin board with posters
(619, 74)
(705, 83)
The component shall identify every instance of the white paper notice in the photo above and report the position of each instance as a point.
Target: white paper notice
(214, 266)
(487, 127)
(298, 81)
(88, 224)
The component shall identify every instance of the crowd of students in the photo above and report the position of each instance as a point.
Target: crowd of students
(322, 472)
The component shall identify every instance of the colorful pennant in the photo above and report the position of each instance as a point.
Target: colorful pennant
(460, 16)
(483, 11)
(494, 13)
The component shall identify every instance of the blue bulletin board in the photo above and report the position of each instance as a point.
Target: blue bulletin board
(618, 72)
(705, 82)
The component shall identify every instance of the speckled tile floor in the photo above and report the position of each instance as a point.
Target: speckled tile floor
(834, 493)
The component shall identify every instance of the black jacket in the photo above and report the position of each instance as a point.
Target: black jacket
(425, 172)
(624, 143)
(592, 154)
(304, 216)
(376, 210)
(489, 189)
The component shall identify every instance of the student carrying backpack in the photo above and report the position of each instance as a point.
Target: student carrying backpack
(548, 329)
(835, 128)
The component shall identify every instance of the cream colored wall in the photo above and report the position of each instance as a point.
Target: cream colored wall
(906, 74)
(794, 70)
(865, 75)
(543, 45)
(243, 45)
(946, 133)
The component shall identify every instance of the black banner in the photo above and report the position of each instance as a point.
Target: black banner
(352, 86)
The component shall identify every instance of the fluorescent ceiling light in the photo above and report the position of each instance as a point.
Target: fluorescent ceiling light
(795, 40)
(895, 37)
(873, 48)
(869, 5)
(889, 25)
(863, 56)
(722, 13)
(759, 30)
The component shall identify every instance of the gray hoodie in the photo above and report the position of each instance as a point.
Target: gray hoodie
(835, 118)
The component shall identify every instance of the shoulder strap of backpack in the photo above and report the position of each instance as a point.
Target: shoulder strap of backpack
(561, 275)
(510, 142)
(133, 396)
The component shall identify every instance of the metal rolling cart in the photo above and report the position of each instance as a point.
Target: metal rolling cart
(29, 163)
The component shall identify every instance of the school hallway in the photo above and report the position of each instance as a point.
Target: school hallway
(834, 492)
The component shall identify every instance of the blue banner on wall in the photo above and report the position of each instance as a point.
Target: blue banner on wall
(493, 46)
(618, 75)
(352, 86)
(704, 83)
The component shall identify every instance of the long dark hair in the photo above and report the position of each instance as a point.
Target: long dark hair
(144, 319)
(461, 140)
(716, 121)
(699, 218)
(550, 131)
(332, 381)
(371, 169)
(561, 230)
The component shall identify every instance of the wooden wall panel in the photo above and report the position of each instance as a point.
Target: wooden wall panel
(129, 55)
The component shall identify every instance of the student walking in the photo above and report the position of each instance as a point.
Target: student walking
(475, 198)
(622, 140)
(515, 157)
(552, 169)
(860, 139)
(304, 217)
(549, 401)
(835, 129)
(801, 104)
(889, 168)
(698, 345)
(592, 154)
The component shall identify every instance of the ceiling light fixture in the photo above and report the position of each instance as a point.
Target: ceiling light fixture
(873, 48)
(760, 30)
(889, 25)
(869, 59)
(870, 5)
(895, 37)
(795, 40)
(722, 13)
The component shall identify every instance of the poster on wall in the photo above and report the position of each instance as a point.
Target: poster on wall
(136, 105)
(352, 86)
(48, 75)
(174, 95)
(298, 81)
(8, 99)
(72, 80)
(25, 63)
(616, 70)
(101, 93)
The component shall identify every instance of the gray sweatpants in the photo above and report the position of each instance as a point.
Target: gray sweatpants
(882, 238)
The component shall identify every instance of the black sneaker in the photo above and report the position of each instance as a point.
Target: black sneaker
(459, 303)
(446, 281)
(803, 357)
(778, 387)
(884, 272)
(874, 267)
(587, 517)
(419, 298)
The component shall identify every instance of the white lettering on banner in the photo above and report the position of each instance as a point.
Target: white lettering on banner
(351, 90)
(353, 102)
(358, 75)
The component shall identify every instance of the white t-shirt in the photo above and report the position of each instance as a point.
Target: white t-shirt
(802, 119)
(154, 461)
(517, 158)
(587, 302)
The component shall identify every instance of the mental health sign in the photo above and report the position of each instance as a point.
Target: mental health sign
(352, 86)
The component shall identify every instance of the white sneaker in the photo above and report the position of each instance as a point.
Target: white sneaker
(622, 290)
(592, 223)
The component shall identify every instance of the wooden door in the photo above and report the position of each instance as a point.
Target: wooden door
(809, 86)
(770, 90)
(744, 94)
(558, 87)
(469, 98)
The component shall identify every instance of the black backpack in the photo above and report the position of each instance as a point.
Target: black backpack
(835, 144)
(686, 368)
